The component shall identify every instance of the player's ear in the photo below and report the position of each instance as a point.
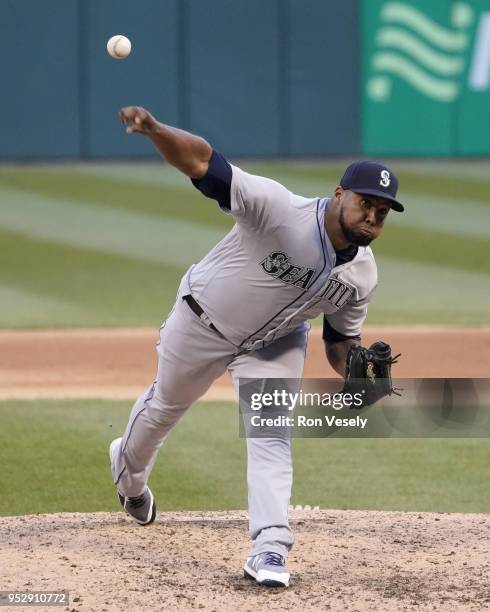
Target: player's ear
(337, 194)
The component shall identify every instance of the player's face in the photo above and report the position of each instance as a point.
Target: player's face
(362, 217)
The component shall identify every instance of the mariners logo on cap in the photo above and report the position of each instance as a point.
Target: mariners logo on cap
(385, 178)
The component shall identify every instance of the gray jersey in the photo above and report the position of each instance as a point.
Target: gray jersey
(276, 268)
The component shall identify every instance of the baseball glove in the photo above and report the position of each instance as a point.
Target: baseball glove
(368, 372)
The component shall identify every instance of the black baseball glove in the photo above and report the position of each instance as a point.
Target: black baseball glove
(368, 372)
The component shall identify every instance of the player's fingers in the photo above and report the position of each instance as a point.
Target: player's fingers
(134, 118)
(125, 116)
(127, 113)
(134, 128)
(121, 116)
(141, 116)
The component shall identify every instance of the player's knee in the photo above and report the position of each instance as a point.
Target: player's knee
(161, 411)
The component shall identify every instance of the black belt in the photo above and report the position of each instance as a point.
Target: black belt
(196, 309)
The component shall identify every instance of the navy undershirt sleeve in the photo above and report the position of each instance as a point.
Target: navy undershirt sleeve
(332, 336)
(216, 183)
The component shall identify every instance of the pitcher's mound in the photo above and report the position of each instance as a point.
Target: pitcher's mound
(342, 560)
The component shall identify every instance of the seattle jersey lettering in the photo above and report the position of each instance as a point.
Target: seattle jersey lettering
(337, 293)
(277, 264)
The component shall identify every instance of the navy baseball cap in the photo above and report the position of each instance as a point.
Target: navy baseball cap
(372, 178)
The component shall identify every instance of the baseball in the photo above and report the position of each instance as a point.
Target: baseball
(118, 46)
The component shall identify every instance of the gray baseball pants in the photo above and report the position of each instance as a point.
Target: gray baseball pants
(191, 356)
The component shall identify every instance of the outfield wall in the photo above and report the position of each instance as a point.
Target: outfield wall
(276, 78)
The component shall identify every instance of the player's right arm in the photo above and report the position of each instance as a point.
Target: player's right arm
(188, 153)
(256, 202)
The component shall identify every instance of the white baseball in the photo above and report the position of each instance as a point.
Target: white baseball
(118, 46)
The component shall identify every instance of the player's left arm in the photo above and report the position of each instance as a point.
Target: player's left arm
(337, 346)
(337, 354)
(342, 330)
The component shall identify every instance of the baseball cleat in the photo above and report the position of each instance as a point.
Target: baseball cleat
(142, 507)
(268, 569)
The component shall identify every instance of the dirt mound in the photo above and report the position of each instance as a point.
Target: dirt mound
(342, 560)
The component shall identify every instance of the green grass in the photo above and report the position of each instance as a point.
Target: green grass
(435, 249)
(54, 458)
(98, 289)
(106, 244)
(157, 200)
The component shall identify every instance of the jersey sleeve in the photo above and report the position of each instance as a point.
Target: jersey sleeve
(256, 202)
(346, 323)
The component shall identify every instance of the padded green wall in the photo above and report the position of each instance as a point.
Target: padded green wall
(256, 78)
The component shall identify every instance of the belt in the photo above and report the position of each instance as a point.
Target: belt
(196, 309)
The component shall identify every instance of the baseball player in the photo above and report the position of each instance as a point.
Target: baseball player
(244, 308)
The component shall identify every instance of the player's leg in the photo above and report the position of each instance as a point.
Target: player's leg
(190, 357)
(269, 469)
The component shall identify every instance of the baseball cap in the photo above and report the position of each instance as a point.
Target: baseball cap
(372, 178)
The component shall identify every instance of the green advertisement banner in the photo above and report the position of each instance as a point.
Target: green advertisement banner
(426, 77)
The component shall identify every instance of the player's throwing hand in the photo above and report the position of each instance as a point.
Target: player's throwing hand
(137, 119)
